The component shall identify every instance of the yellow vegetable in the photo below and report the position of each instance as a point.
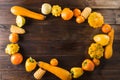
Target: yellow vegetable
(109, 48)
(12, 48)
(96, 50)
(96, 20)
(39, 73)
(59, 72)
(56, 10)
(102, 39)
(20, 21)
(76, 72)
(15, 29)
(46, 8)
(86, 12)
(30, 64)
(18, 10)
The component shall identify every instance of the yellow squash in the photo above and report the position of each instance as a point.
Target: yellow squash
(59, 72)
(109, 48)
(18, 10)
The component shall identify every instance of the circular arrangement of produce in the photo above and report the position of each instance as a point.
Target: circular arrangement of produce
(102, 47)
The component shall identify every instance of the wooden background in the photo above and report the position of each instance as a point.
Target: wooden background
(65, 40)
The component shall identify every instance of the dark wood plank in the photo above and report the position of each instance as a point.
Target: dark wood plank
(11, 75)
(79, 3)
(0, 76)
(117, 16)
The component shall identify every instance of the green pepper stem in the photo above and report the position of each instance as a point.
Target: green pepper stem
(31, 59)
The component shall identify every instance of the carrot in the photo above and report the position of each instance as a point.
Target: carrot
(59, 72)
(18, 10)
(109, 47)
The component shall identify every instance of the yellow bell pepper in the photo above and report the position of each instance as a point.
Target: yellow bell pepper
(30, 64)
(76, 72)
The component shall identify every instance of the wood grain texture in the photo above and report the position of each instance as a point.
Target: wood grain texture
(65, 40)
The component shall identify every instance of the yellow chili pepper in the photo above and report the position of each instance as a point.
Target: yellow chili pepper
(30, 64)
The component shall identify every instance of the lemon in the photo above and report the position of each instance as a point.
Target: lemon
(20, 21)
(46, 8)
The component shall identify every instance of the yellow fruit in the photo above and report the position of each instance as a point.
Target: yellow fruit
(46, 8)
(102, 39)
(20, 21)
(95, 20)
